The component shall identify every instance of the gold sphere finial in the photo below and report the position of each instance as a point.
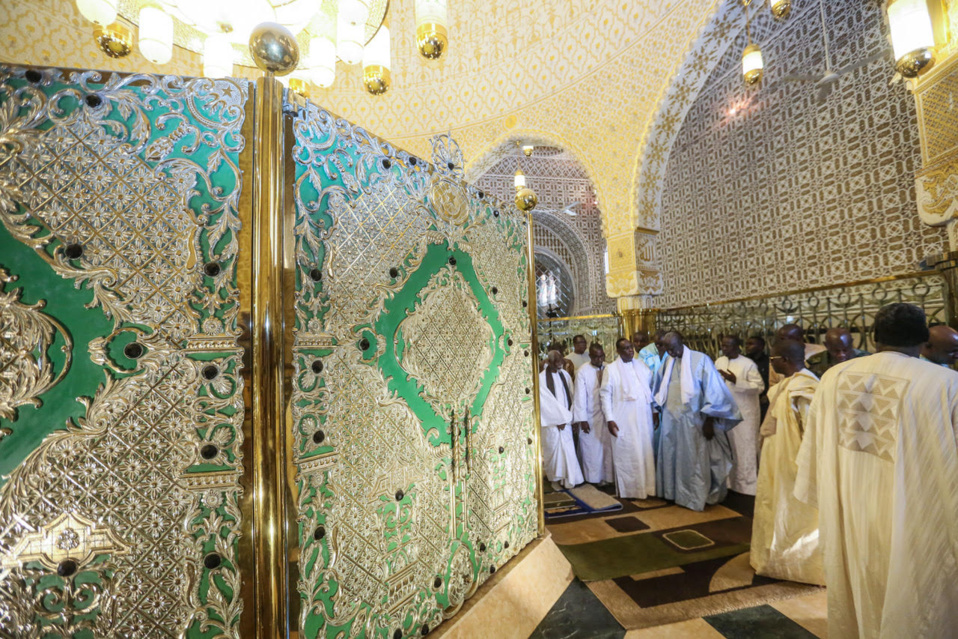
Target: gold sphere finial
(526, 199)
(274, 48)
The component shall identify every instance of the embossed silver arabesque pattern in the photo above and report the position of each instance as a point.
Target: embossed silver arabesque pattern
(128, 185)
(401, 514)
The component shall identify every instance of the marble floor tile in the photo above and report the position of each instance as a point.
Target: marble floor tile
(691, 629)
(578, 614)
(810, 612)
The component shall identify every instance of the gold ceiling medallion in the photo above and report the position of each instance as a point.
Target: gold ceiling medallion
(115, 40)
(26, 335)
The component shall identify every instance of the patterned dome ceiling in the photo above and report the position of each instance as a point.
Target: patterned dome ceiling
(582, 75)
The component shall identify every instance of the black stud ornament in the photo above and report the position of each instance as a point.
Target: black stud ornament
(33, 76)
(212, 561)
(318, 437)
(412, 161)
(67, 568)
(315, 274)
(209, 451)
(93, 100)
(73, 251)
(133, 350)
(210, 372)
(363, 344)
(394, 272)
(212, 269)
(319, 533)
(387, 164)
(317, 366)
(452, 260)
(399, 495)
(437, 583)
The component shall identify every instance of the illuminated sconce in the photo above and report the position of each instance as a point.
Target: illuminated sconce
(912, 36)
(156, 35)
(432, 36)
(527, 150)
(376, 63)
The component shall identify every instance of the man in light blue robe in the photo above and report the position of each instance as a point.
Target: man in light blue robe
(696, 411)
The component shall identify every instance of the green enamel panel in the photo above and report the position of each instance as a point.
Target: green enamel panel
(121, 395)
(412, 413)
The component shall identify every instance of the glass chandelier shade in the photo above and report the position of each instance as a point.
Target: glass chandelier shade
(156, 35)
(101, 12)
(520, 181)
(217, 56)
(322, 61)
(781, 8)
(753, 66)
(220, 30)
(432, 28)
(912, 36)
(377, 63)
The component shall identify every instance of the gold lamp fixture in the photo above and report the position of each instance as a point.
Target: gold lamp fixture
(912, 36)
(326, 32)
(781, 8)
(432, 35)
(526, 198)
(753, 67)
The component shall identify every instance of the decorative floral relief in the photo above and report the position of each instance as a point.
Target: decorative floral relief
(129, 186)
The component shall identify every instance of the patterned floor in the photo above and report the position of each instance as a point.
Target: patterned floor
(653, 569)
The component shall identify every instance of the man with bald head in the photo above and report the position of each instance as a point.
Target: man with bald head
(559, 461)
(941, 347)
(839, 347)
(697, 410)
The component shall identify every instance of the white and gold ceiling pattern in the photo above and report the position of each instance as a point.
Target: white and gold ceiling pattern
(583, 74)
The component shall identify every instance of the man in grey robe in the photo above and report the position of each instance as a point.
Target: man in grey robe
(696, 412)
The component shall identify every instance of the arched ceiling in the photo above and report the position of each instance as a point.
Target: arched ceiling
(584, 74)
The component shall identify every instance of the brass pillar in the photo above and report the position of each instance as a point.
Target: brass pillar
(269, 423)
(634, 319)
(534, 364)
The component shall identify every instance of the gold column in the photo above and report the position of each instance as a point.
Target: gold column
(269, 440)
(634, 319)
(534, 359)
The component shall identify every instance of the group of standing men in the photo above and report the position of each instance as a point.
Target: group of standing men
(857, 485)
(661, 432)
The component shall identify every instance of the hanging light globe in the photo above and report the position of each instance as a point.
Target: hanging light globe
(526, 199)
(217, 56)
(912, 36)
(753, 67)
(322, 61)
(376, 63)
(156, 35)
(101, 12)
(781, 8)
(432, 35)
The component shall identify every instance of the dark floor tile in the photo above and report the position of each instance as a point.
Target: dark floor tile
(742, 504)
(627, 524)
(578, 614)
(760, 621)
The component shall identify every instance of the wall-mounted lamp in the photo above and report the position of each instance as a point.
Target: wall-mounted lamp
(912, 36)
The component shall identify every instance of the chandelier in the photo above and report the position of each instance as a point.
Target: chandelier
(351, 31)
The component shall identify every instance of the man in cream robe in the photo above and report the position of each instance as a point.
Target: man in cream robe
(746, 384)
(555, 411)
(696, 411)
(880, 461)
(784, 530)
(626, 401)
(595, 441)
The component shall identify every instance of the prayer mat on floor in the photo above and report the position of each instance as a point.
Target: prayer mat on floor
(654, 563)
(582, 500)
